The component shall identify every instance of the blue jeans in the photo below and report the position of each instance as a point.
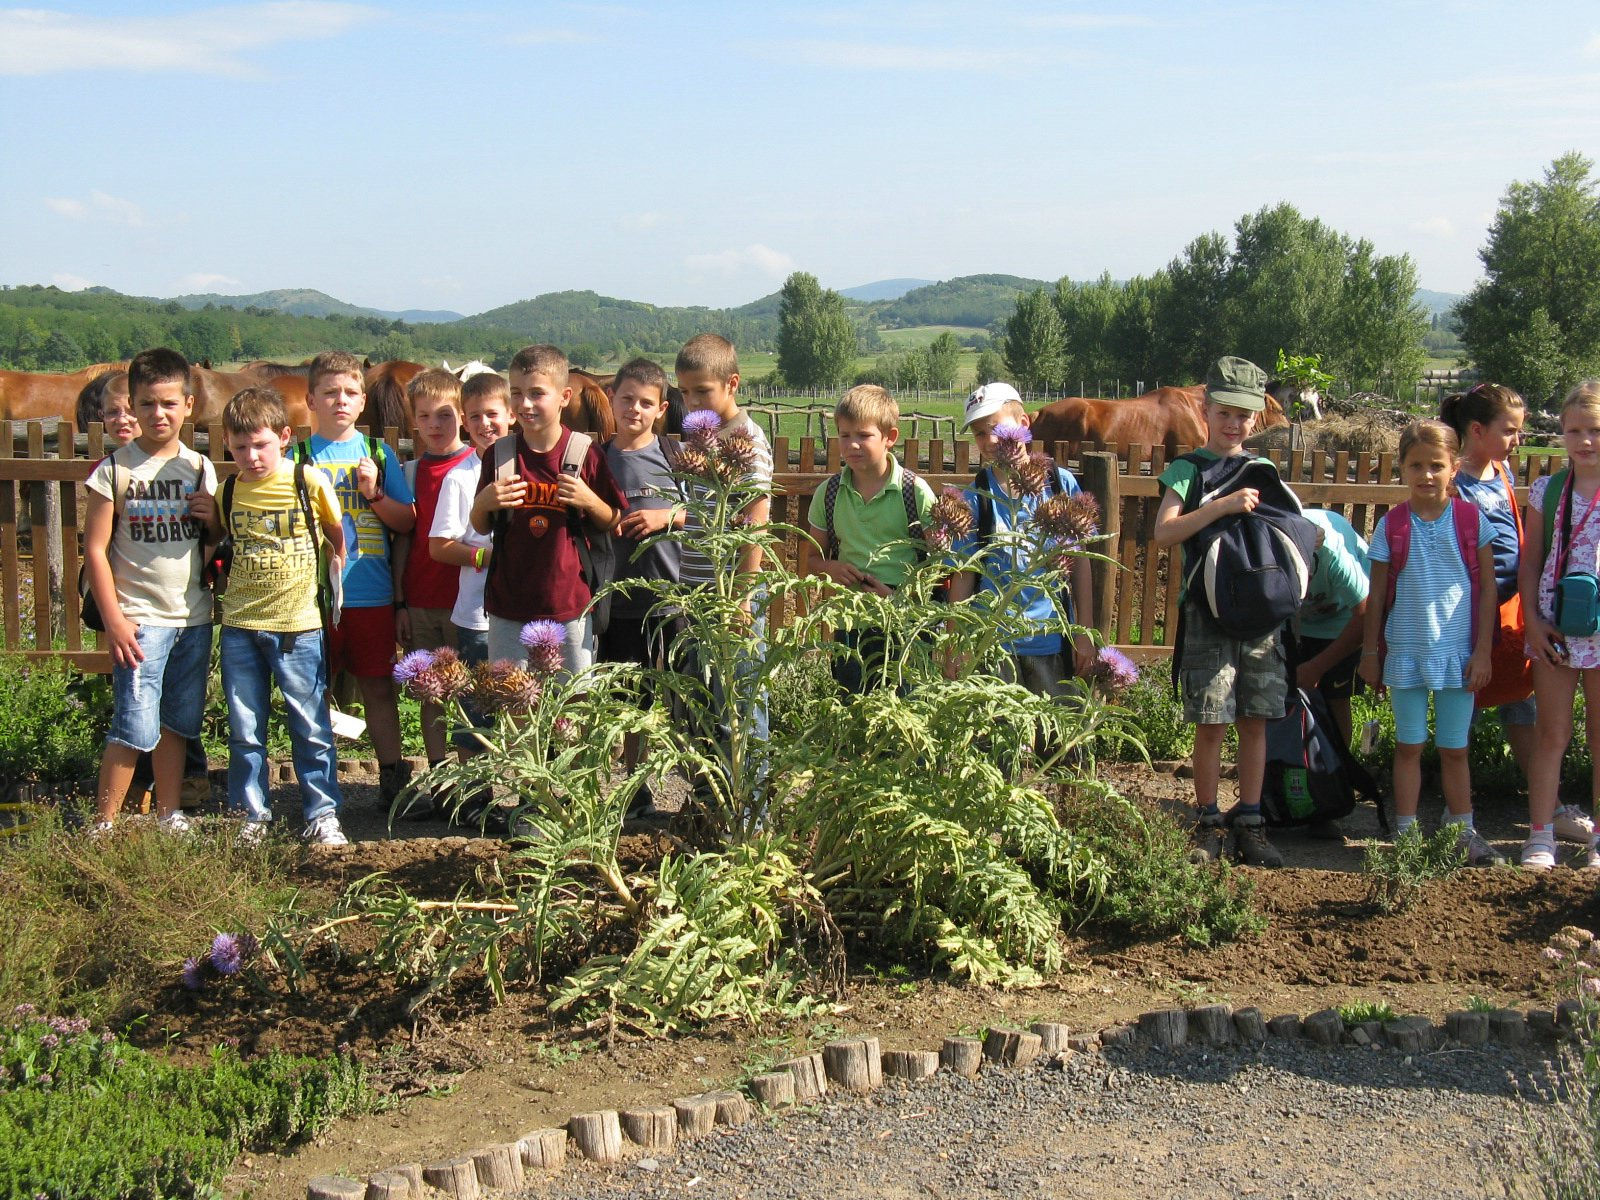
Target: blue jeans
(165, 691)
(251, 660)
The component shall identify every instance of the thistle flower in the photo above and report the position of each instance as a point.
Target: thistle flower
(226, 955)
(701, 427)
(502, 685)
(565, 730)
(544, 640)
(1068, 521)
(1119, 671)
(1011, 441)
(412, 665)
(738, 450)
(949, 521)
(1030, 474)
(194, 974)
(694, 460)
(447, 677)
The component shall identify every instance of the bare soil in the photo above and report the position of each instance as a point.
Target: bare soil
(470, 1072)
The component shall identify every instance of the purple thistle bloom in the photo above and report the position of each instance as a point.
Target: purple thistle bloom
(701, 426)
(1119, 670)
(1009, 434)
(225, 954)
(412, 665)
(544, 640)
(194, 974)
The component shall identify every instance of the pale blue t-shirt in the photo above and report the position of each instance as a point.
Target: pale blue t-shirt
(367, 582)
(1011, 562)
(1338, 582)
(1429, 630)
(1490, 497)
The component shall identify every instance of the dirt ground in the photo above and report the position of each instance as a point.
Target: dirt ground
(472, 1073)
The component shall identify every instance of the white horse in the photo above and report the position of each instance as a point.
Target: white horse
(467, 370)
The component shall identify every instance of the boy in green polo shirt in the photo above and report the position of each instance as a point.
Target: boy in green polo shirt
(863, 518)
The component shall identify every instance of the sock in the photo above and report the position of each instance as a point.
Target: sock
(1210, 810)
(1542, 833)
(1403, 824)
(1247, 810)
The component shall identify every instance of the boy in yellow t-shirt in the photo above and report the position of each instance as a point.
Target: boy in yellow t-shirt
(272, 626)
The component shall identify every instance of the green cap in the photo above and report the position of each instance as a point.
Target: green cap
(1238, 383)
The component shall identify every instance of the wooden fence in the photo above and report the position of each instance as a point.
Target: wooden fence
(42, 493)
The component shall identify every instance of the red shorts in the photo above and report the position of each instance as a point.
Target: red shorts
(363, 642)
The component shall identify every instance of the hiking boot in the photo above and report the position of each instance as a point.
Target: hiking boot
(175, 822)
(196, 791)
(1479, 852)
(1538, 855)
(325, 831)
(1250, 843)
(392, 780)
(1210, 839)
(1573, 824)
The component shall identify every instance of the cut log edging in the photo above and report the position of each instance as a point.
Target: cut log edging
(855, 1066)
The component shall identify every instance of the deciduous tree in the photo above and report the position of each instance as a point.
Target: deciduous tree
(816, 339)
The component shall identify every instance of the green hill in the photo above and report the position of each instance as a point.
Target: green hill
(308, 302)
(972, 301)
(575, 318)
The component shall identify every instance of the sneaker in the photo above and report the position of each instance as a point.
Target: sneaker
(325, 831)
(1250, 843)
(1573, 824)
(251, 833)
(1479, 852)
(1210, 839)
(392, 780)
(196, 792)
(101, 829)
(175, 822)
(1538, 856)
(1589, 860)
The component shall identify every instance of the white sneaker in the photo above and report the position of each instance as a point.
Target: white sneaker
(1538, 856)
(101, 829)
(251, 833)
(1573, 824)
(325, 831)
(1590, 861)
(175, 822)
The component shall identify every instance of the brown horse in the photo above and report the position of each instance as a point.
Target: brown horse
(1170, 416)
(38, 395)
(589, 410)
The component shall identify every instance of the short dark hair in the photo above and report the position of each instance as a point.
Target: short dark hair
(92, 400)
(255, 408)
(711, 353)
(542, 360)
(483, 385)
(161, 365)
(643, 372)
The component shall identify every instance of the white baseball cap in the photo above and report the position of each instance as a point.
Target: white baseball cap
(988, 400)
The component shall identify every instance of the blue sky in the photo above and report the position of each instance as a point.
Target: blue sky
(406, 155)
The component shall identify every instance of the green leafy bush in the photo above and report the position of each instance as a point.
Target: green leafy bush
(85, 1115)
(1357, 1011)
(52, 722)
(1398, 870)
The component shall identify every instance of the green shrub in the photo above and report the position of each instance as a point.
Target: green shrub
(1151, 886)
(1398, 870)
(85, 1115)
(1157, 719)
(1358, 1011)
(52, 722)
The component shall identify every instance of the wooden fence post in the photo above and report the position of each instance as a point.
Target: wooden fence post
(1101, 480)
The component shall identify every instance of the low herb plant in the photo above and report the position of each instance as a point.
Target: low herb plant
(52, 722)
(1398, 870)
(1358, 1011)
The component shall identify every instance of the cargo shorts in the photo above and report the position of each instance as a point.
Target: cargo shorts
(1223, 678)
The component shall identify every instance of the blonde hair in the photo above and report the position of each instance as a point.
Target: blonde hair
(434, 384)
(1014, 410)
(1584, 397)
(335, 362)
(255, 408)
(710, 353)
(1430, 433)
(544, 360)
(869, 404)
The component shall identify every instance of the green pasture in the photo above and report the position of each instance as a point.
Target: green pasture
(919, 337)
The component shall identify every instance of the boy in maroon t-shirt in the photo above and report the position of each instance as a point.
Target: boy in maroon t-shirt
(428, 588)
(536, 572)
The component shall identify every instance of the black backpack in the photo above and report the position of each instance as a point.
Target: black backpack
(1311, 774)
(986, 522)
(1249, 571)
(220, 560)
(597, 555)
(908, 496)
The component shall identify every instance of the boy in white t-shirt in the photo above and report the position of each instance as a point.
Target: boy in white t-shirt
(149, 504)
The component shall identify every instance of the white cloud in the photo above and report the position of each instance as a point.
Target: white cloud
(1442, 227)
(880, 56)
(639, 222)
(202, 281)
(100, 206)
(757, 259)
(207, 42)
(69, 282)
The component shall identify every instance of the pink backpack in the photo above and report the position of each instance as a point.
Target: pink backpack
(1398, 528)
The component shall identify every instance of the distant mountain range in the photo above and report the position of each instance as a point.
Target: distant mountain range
(308, 302)
(884, 289)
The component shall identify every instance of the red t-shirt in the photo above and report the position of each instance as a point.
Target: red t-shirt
(535, 572)
(430, 584)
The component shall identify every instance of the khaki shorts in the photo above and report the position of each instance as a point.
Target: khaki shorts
(1223, 678)
(431, 629)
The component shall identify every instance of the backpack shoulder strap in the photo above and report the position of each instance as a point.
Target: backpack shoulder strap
(1397, 532)
(985, 507)
(409, 470)
(1199, 463)
(908, 496)
(1557, 484)
(505, 458)
(829, 498)
(572, 459)
(1511, 499)
(225, 502)
(1466, 517)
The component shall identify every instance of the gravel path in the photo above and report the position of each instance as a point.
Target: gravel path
(1287, 1120)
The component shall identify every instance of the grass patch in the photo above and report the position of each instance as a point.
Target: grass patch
(90, 925)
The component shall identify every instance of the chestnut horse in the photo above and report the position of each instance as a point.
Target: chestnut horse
(1170, 416)
(38, 395)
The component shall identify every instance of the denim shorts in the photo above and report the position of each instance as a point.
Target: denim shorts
(166, 691)
(1224, 678)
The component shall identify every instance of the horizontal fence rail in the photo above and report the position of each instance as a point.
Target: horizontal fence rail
(43, 468)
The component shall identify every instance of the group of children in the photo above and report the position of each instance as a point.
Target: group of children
(1456, 583)
(339, 553)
